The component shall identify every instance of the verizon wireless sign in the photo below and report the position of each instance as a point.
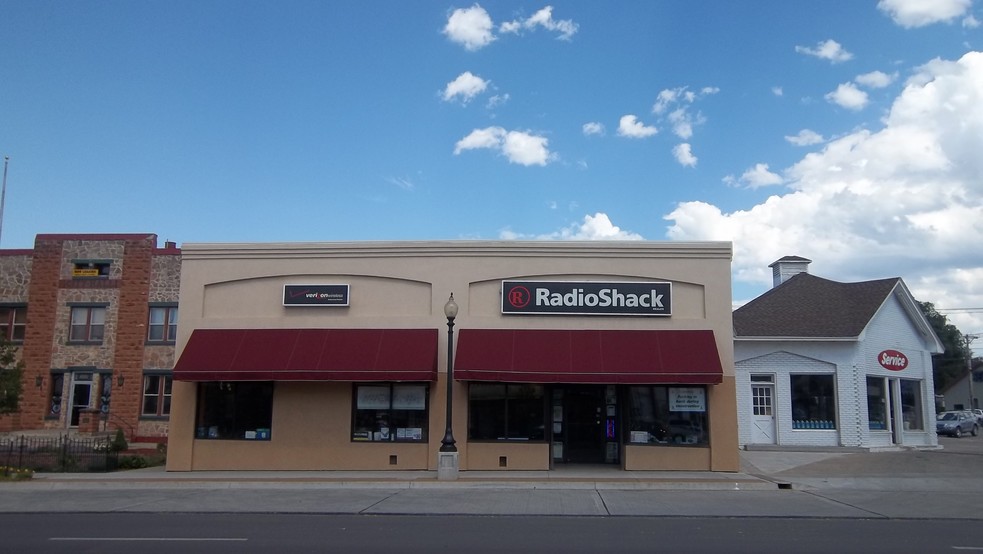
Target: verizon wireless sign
(315, 295)
(586, 298)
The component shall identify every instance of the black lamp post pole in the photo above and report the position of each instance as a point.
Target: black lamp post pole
(447, 444)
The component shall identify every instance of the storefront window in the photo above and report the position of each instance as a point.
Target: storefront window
(390, 412)
(239, 411)
(911, 405)
(667, 415)
(877, 403)
(501, 411)
(813, 402)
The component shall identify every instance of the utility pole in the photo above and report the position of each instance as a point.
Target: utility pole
(969, 366)
(3, 192)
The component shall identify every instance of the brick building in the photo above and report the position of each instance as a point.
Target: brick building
(94, 317)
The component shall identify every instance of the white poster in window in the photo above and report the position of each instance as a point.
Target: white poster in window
(409, 397)
(373, 398)
(687, 399)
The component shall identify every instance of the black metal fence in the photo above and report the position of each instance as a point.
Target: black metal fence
(63, 454)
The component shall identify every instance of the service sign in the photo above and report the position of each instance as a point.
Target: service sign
(586, 298)
(893, 360)
(315, 295)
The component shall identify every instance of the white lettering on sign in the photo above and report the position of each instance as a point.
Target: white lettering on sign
(603, 298)
(893, 360)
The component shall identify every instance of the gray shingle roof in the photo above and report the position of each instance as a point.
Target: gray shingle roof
(810, 306)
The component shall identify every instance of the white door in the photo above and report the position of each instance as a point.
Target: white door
(762, 413)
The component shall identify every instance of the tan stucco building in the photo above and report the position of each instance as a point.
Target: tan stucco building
(333, 356)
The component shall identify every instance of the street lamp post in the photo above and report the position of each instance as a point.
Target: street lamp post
(447, 460)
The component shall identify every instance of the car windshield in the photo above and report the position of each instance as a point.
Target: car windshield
(949, 416)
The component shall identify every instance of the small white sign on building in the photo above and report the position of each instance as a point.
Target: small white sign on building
(687, 399)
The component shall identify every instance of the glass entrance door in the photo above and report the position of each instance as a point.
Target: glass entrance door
(81, 398)
(584, 424)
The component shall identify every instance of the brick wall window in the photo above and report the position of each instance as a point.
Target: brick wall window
(13, 322)
(162, 326)
(156, 395)
(88, 324)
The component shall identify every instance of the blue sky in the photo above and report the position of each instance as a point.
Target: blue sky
(847, 132)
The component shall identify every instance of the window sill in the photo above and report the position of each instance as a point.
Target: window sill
(84, 343)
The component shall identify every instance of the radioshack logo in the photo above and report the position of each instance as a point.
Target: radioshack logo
(586, 298)
(519, 297)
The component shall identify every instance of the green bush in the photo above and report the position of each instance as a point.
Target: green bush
(119, 441)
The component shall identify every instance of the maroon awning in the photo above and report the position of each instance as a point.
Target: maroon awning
(592, 356)
(309, 355)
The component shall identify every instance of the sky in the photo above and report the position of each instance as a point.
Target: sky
(847, 132)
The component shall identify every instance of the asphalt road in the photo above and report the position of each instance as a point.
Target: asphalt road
(247, 533)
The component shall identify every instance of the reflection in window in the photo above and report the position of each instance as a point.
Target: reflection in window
(162, 326)
(156, 396)
(505, 411)
(911, 405)
(13, 322)
(657, 415)
(877, 403)
(390, 412)
(240, 410)
(813, 402)
(88, 324)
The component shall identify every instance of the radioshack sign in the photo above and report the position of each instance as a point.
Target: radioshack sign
(315, 295)
(586, 298)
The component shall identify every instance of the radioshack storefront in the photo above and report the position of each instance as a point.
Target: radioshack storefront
(333, 356)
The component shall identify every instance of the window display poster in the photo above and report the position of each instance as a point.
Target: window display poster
(409, 397)
(373, 398)
(687, 399)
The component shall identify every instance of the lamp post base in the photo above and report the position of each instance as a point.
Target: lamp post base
(447, 466)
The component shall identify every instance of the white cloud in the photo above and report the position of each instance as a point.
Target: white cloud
(402, 183)
(684, 155)
(806, 137)
(525, 149)
(675, 105)
(875, 79)
(848, 96)
(919, 13)
(905, 200)
(592, 227)
(777, 91)
(519, 147)
(593, 128)
(470, 27)
(497, 100)
(760, 176)
(629, 126)
(970, 22)
(490, 137)
(543, 18)
(827, 50)
(465, 87)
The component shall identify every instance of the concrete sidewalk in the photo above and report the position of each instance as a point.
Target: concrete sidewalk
(772, 484)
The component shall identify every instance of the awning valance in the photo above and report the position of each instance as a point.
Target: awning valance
(309, 355)
(588, 356)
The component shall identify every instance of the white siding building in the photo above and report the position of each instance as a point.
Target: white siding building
(823, 363)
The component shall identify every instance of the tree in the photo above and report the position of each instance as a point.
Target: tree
(950, 366)
(11, 370)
